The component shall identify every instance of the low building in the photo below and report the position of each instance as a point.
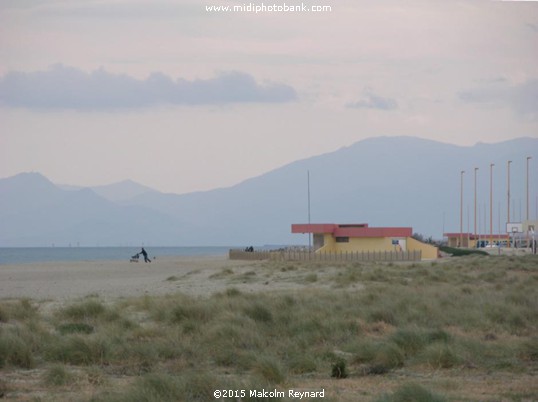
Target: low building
(470, 240)
(520, 235)
(331, 237)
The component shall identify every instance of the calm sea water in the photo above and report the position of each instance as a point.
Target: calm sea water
(23, 255)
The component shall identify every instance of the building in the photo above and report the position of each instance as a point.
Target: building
(520, 234)
(470, 240)
(331, 237)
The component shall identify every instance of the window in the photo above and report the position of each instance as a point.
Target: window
(342, 239)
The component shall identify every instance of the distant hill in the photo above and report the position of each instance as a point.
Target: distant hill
(116, 192)
(383, 181)
(35, 212)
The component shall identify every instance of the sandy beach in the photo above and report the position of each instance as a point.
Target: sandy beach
(197, 276)
(338, 311)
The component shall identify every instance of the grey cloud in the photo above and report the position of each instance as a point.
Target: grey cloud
(373, 101)
(534, 27)
(63, 87)
(521, 98)
(160, 9)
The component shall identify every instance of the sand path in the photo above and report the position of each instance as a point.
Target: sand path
(111, 279)
(197, 276)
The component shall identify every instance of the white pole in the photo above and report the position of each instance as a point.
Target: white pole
(309, 234)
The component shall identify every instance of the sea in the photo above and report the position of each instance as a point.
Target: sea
(26, 255)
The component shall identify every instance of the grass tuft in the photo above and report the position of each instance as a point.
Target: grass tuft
(75, 328)
(259, 313)
(15, 350)
(270, 370)
(440, 355)
(87, 310)
(57, 375)
(339, 369)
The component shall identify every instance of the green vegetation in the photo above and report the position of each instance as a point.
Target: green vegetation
(417, 320)
(339, 369)
(459, 252)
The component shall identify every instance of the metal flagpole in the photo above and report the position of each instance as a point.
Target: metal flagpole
(309, 234)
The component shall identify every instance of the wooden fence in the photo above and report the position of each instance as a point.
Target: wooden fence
(300, 255)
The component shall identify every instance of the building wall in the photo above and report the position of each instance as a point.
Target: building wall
(377, 244)
(358, 244)
(319, 240)
(454, 241)
(429, 252)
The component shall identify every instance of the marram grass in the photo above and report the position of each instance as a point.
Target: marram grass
(471, 312)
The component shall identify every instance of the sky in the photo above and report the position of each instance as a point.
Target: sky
(182, 96)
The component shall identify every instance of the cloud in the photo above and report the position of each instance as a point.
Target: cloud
(533, 27)
(62, 87)
(521, 98)
(370, 100)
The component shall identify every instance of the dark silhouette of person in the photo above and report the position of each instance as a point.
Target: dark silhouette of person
(145, 254)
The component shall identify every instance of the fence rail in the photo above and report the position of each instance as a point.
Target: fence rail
(299, 255)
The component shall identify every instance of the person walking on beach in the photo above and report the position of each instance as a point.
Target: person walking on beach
(145, 254)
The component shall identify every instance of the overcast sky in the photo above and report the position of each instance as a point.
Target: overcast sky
(182, 99)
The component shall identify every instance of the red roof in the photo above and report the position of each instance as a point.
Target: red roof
(351, 230)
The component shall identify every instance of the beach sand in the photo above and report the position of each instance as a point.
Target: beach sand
(197, 276)
(52, 285)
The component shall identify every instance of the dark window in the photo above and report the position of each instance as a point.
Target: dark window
(342, 239)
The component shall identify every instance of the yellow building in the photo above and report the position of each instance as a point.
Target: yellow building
(331, 237)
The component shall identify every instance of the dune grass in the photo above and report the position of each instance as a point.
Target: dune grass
(473, 313)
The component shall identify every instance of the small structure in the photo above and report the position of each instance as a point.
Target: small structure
(520, 235)
(470, 240)
(334, 238)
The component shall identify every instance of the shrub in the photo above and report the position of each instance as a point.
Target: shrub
(438, 335)
(78, 350)
(232, 292)
(19, 310)
(154, 388)
(339, 369)
(190, 311)
(15, 350)
(302, 363)
(460, 252)
(158, 387)
(387, 356)
(172, 278)
(409, 341)
(259, 313)
(89, 309)
(380, 357)
(270, 370)
(440, 355)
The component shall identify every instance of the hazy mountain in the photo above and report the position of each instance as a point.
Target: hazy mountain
(33, 211)
(384, 181)
(116, 192)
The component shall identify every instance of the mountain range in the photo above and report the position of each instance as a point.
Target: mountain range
(383, 181)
